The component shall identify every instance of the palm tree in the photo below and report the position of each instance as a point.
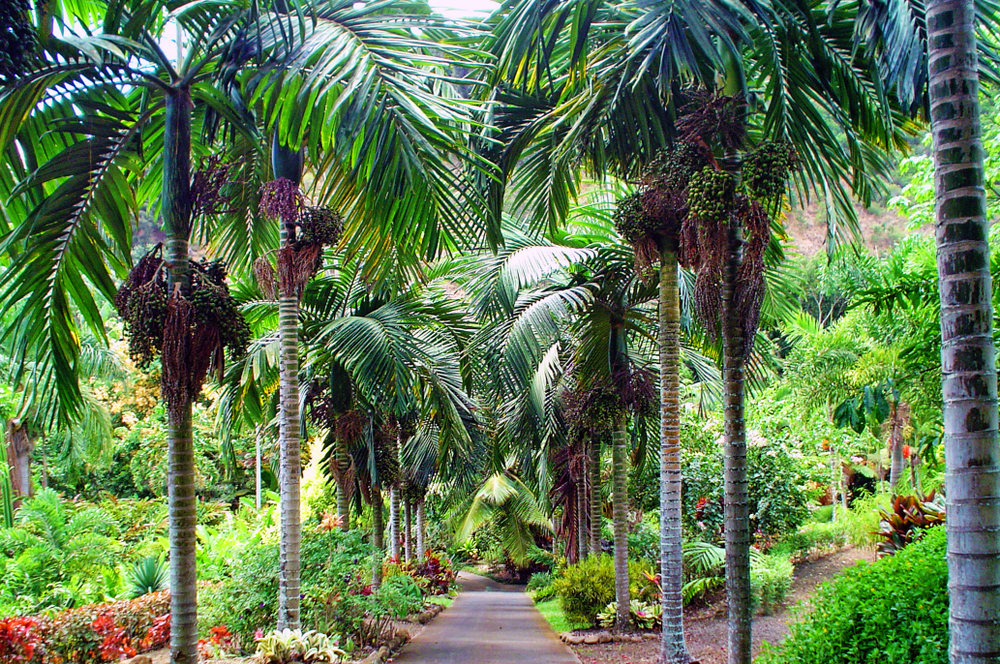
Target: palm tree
(933, 50)
(972, 452)
(69, 216)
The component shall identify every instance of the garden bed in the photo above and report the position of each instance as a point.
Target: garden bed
(705, 623)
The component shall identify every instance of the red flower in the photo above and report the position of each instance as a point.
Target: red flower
(906, 451)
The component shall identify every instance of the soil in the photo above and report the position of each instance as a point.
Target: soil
(705, 625)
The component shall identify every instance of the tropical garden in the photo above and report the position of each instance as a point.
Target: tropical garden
(647, 306)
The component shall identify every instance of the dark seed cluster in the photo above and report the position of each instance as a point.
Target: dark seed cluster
(17, 39)
(142, 302)
(215, 307)
(281, 200)
(630, 218)
(208, 185)
(320, 226)
(387, 453)
(593, 409)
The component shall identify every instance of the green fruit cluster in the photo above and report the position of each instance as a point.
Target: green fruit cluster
(214, 306)
(710, 194)
(765, 171)
(320, 226)
(17, 39)
(630, 218)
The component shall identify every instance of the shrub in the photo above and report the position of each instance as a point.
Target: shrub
(248, 599)
(406, 586)
(778, 501)
(770, 581)
(585, 588)
(434, 574)
(80, 635)
(893, 611)
(282, 647)
(18, 640)
(811, 539)
(644, 538)
(542, 584)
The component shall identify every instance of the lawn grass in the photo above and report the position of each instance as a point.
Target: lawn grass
(443, 600)
(553, 613)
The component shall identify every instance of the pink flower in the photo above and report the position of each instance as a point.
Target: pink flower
(258, 635)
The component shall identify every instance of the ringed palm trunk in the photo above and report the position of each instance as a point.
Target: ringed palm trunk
(968, 355)
(180, 440)
(287, 163)
(596, 513)
(619, 486)
(673, 649)
(737, 511)
(289, 443)
(408, 527)
(581, 517)
(421, 529)
(343, 486)
(394, 550)
(378, 530)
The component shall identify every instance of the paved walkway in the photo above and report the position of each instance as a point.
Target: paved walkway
(487, 624)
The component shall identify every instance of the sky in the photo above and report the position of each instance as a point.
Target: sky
(465, 8)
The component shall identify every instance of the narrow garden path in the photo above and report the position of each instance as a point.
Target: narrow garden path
(487, 624)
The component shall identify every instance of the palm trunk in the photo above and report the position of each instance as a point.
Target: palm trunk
(895, 446)
(619, 503)
(737, 512)
(673, 649)
(291, 470)
(343, 486)
(968, 355)
(596, 513)
(421, 529)
(408, 528)
(378, 530)
(176, 204)
(287, 163)
(581, 516)
(257, 479)
(6, 491)
(394, 523)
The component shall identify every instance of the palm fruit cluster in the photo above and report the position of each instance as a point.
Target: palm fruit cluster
(281, 200)
(765, 171)
(592, 409)
(215, 307)
(320, 226)
(713, 119)
(17, 39)
(387, 453)
(207, 187)
(710, 194)
(671, 169)
(631, 220)
(142, 304)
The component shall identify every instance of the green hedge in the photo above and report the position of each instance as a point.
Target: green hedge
(893, 611)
